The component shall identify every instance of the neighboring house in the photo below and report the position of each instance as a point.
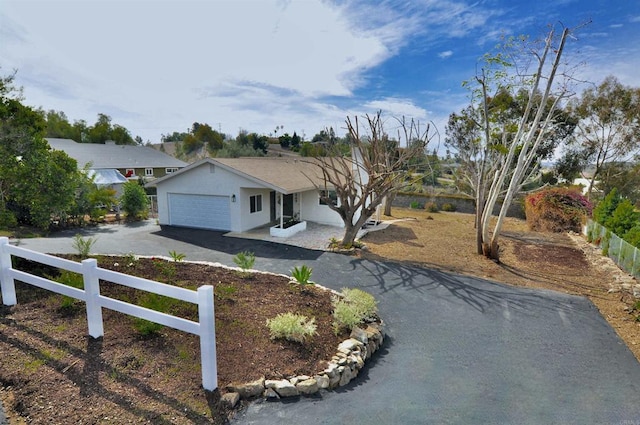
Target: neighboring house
(131, 161)
(239, 194)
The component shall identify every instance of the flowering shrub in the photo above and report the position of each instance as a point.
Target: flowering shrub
(557, 210)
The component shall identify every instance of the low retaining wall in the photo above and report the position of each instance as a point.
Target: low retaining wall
(461, 203)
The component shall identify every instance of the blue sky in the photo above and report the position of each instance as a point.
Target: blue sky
(157, 66)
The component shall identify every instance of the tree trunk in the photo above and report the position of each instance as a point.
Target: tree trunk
(388, 200)
(350, 233)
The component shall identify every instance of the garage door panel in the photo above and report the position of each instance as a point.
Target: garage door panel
(200, 211)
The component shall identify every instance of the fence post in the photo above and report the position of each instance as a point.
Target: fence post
(6, 281)
(206, 317)
(92, 292)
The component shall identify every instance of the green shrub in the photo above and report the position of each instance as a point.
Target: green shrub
(154, 302)
(82, 245)
(352, 307)
(623, 219)
(448, 207)
(245, 260)
(8, 219)
(302, 275)
(177, 256)
(292, 327)
(72, 279)
(166, 269)
(633, 236)
(134, 201)
(556, 210)
(605, 208)
(431, 207)
(415, 205)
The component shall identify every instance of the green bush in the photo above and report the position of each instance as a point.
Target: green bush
(352, 307)
(82, 245)
(292, 327)
(245, 260)
(302, 275)
(431, 207)
(7, 219)
(154, 302)
(72, 279)
(166, 269)
(177, 256)
(606, 207)
(633, 236)
(448, 207)
(623, 219)
(415, 205)
(134, 201)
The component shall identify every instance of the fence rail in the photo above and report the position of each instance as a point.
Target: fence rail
(625, 255)
(92, 274)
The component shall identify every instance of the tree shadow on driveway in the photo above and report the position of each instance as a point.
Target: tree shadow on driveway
(479, 294)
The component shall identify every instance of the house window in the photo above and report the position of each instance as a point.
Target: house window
(130, 172)
(331, 194)
(170, 170)
(255, 203)
(148, 172)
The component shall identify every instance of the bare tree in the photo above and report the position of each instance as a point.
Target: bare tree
(506, 149)
(372, 172)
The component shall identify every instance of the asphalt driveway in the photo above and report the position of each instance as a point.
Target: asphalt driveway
(459, 350)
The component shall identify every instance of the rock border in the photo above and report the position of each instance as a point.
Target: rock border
(344, 366)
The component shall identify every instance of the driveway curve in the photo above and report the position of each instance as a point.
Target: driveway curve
(459, 350)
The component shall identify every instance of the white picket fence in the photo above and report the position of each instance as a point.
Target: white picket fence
(203, 297)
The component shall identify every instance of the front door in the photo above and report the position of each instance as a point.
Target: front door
(272, 205)
(287, 206)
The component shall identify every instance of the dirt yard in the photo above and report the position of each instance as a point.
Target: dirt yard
(560, 262)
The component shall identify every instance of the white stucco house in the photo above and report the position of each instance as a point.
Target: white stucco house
(239, 194)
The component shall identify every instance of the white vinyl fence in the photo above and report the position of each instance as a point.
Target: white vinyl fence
(204, 328)
(626, 256)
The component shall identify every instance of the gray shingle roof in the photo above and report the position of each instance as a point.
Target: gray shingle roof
(115, 156)
(286, 175)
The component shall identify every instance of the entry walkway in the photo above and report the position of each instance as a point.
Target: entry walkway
(317, 236)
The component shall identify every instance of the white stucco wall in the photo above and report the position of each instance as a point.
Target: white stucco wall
(206, 179)
(311, 210)
(258, 218)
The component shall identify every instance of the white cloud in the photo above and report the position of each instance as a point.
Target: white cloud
(445, 54)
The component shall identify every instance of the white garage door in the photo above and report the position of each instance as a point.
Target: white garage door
(201, 211)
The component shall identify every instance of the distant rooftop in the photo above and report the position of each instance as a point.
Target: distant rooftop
(114, 156)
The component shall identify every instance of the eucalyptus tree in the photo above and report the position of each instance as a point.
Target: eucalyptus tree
(608, 129)
(500, 140)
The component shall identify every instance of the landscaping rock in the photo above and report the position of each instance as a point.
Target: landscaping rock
(250, 389)
(283, 387)
(307, 387)
(271, 394)
(359, 335)
(323, 382)
(230, 399)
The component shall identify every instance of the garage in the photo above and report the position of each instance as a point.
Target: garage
(200, 211)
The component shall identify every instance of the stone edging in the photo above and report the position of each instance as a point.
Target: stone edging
(343, 367)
